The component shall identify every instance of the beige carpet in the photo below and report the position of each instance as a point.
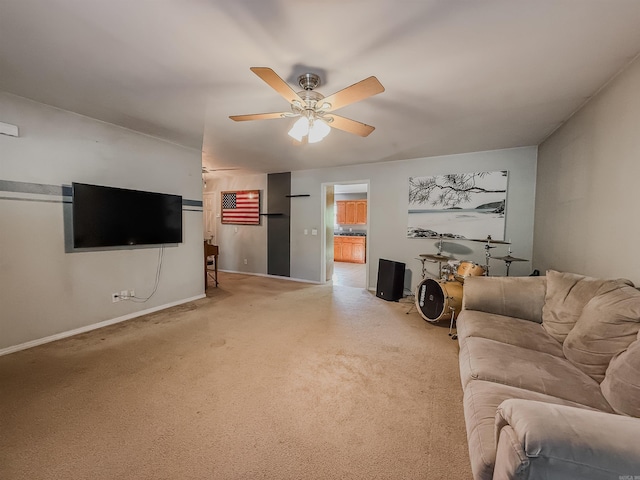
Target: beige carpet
(264, 379)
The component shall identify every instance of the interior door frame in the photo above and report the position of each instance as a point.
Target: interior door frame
(329, 187)
(214, 215)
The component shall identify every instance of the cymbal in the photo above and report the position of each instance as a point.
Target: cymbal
(489, 240)
(509, 258)
(435, 257)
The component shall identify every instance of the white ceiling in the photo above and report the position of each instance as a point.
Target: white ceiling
(460, 75)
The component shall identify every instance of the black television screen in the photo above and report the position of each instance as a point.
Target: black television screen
(109, 217)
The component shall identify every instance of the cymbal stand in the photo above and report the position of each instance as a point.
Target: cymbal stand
(441, 275)
(440, 246)
(424, 275)
(453, 319)
(440, 272)
(424, 269)
(508, 262)
(487, 255)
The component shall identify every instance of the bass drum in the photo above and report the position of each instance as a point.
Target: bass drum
(436, 299)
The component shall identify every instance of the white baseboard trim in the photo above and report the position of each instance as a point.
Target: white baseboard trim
(95, 326)
(273, 276)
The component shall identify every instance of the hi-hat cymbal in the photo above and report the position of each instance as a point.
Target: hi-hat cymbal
(489, 240)
(435, 257)
(509, 258)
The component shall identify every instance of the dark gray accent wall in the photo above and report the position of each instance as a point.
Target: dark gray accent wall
(279, 224)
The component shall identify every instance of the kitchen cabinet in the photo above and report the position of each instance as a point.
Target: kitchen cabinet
(361, 212)
(351, 212)
(341, 207)
(357, 253)
(349, 249)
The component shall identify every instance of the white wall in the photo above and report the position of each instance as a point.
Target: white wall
(240, 242)
(588, 195)
(388, 198)
(45, 289)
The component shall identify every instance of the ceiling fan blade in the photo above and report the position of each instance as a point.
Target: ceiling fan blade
(356, 92)
(260, 116)
(211, 170)
(351, 126)
(272, 79)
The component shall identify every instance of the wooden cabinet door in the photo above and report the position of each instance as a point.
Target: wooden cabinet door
(357, 254)
(350, 213)
(337, 249)
(341, 212)
(361, 212)
(347, 252)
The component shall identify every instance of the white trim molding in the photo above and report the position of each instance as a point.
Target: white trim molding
(95, 326)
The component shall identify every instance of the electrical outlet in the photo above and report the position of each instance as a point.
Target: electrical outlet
(124, 294)
(132, 293)
(245, 261)
(115, 297)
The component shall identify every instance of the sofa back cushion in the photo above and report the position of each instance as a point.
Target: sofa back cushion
(566, 296)
(621, 384)
(608, 324)
(520, 297)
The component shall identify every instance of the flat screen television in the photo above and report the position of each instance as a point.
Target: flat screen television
(109, 217)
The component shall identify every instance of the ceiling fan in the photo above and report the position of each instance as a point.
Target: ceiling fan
(315, 111)
(212, 170)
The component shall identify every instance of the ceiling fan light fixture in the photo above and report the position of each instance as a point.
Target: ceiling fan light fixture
(300, 129)
(319, 129)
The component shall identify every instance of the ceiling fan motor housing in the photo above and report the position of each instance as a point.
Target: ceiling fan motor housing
(313, 101)
(309, 81)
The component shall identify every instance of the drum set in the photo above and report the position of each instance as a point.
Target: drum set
(440, 298)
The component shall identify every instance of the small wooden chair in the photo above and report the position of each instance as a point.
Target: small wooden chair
(210, 251)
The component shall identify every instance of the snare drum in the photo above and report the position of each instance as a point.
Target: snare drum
(468, 269)
(437, 300)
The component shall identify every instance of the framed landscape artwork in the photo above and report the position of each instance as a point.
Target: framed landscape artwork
(458, 205)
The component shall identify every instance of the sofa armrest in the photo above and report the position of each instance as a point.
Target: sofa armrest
(520, 297)
(541, 440)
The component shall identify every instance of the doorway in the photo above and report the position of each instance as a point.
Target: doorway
(209, 209)
(347, 233)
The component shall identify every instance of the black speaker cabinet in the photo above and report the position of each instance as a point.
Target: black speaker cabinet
(390, 280)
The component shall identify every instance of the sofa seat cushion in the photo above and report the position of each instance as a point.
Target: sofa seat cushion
(514, 331)
(621, 385)
(608, 324)
(485, 359)
(481, 400)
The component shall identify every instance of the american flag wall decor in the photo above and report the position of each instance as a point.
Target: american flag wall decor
(241, 207)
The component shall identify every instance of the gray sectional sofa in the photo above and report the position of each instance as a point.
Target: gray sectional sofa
(550, 368)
